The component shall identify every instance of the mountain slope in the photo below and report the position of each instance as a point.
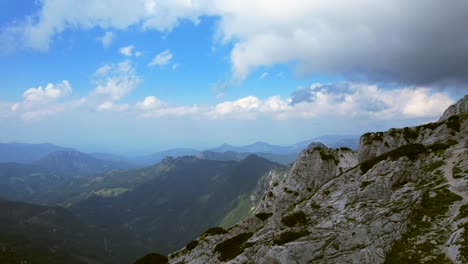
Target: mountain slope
(401, 198)
(42, 234)
(26, 153)
(75, 163)
(166, 205)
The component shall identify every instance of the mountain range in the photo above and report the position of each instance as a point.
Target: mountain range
(400, 197)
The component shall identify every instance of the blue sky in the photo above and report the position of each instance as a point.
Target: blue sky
(141, 76)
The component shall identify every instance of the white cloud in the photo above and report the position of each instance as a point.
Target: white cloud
(107, 39)
(49, 93)
(42, 102)
(161, 59)
(113, 107)
(150, 102)
(392, 41)
(115, 81)
(356, 101)
(127, 50)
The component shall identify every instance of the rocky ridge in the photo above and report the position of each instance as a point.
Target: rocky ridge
(402, 197)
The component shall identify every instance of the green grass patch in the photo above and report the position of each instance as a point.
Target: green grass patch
(409, 249)
(232, 247)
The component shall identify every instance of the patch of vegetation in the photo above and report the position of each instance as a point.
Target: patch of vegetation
(286, 190)
(296, 218)
(452, 142)
(270, 194)
(290, 236)
(263, 216)
(275, 184)
(432, 126)
(457, 172)
(464, 245)
(232, 247)
(364, 184)
(463, 213)
(191, 245)
(453, 123)
(434, 166)
(314, 205)
(325, 156)
(214, 231)
(240, 211)
(409, 134)
(409, 249)
(153, 258)
(411, 151)
(326, 192)
(345, 149)
(438, 146)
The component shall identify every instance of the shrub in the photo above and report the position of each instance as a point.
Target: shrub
(297, 218)
(289, 236)
(411, 151)
(457, 172)
(191, 245)
(214, 231)
(153, 258)
(408, 133)
(432, 126)
(345, 149)
(314, 205)
(438, 146)
(435, 165)
(232, 247)
(453, 123)
(263, 216)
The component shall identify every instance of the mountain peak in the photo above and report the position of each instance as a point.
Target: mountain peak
(460, 107)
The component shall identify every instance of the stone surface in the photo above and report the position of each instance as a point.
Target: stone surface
(351, 216)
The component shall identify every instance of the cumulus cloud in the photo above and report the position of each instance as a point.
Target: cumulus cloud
(107, 39)
(161, 59)
(41, 102)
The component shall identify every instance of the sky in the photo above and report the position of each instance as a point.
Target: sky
(134, 76)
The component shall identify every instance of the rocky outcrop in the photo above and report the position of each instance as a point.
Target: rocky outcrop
(461, 107)
(401, 198)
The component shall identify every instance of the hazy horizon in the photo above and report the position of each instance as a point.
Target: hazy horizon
(148, 75)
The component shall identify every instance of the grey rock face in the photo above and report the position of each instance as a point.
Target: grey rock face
(330, 208)
(461, 107)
